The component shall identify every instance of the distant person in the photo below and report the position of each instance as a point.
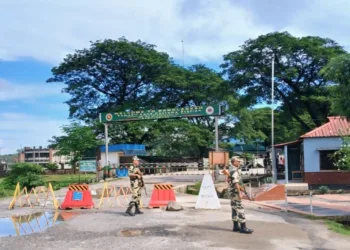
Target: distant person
(238, 214)
(135, 176)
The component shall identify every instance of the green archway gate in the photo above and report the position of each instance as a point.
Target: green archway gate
(156, 114)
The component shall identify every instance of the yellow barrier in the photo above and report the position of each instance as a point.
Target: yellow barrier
(121, 193)
(19, 195)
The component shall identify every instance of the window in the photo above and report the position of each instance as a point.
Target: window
(326, 160)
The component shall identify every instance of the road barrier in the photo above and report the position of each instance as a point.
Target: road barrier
(162, 194)
(19, 195)
(78, 196)
(113, 194)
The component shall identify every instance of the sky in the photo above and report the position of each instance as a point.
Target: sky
(37, 34)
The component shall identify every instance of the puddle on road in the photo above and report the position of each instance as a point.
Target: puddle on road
(31, 223)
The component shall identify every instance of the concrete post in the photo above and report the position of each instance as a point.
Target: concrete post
(286, 163)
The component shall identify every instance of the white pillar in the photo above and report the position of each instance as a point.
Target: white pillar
(286, 162)
(106, 142)
(216, 134)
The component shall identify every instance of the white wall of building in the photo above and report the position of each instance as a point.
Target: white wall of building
(61, 159)
(312, 154)
(113, 158)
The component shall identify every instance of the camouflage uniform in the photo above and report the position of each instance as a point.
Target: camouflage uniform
(135, 186)
(236, 203)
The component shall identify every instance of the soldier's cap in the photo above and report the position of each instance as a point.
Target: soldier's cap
(236, 158)
(135, 158)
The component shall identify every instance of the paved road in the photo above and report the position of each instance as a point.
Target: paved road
(60, 194)
(108, 228)
(187, 229)
(322, 205)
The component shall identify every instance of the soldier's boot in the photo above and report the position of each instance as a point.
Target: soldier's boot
(236, 227)
(245, 230)
(128, 211)
(137, 210)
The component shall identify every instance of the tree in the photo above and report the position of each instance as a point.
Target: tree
(110, 75)
(27, 174)
(78, 140)
(299, 87)
(254, 126)
(342, 156)
(122, 75)
(52, 167)
(338, 71)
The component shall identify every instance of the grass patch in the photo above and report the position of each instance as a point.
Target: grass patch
(57, 181)
(63, 180)
(4, 192)
(338, 227)
(194, 189)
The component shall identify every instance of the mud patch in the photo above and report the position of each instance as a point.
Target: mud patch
(131, 233)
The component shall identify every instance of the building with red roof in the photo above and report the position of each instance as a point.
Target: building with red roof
(309, 156)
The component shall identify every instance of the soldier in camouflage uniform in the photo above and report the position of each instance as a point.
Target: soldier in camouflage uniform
(238, 216)
(135, 186)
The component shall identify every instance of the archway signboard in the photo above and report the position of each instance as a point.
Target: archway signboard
(157, 114)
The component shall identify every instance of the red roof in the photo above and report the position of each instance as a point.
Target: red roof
(337, 126)
(287, 144)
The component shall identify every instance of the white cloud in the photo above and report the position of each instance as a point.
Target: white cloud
(47, 30)
(11, 91)
(323, 18)
(18, 129)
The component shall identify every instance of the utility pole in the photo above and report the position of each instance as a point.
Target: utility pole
(273, 155)
(183, 54)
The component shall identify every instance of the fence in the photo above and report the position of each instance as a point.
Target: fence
(181, 168)
(309, 203)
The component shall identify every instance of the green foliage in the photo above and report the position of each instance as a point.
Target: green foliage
(342, 156)
(338, 227)
(299, 87)
(226, 146)
(123, 75)
(194, 189)
(52, 167)
(340, 191)
(77, 140)
(338, 71)
(247, 156)
(111, 75)
(323, 189)
(27, 174)
(268, 180)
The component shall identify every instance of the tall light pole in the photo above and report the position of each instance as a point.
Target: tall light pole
(183, 54)
(273, 155)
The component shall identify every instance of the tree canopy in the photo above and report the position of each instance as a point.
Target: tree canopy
(299, 87)
(122, 75)
(76, 142)
(113, 75)
(338, 71)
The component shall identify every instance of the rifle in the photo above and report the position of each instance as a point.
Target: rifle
(143, 184)
(240, 187)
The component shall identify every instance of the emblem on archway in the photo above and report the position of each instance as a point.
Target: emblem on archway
(109, 117)
(209, 110)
